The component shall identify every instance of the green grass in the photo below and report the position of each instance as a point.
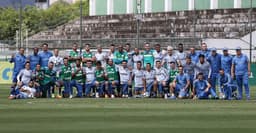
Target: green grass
(125, 115)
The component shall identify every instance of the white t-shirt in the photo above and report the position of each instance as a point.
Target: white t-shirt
(31, 90)
(124, 73)
(138, 77)
(161, 74)
(101, 57)
(149, 76)
(24, 76)
(90, 74)
(57, 62)
(137, 58)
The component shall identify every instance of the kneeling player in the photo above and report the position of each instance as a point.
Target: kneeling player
(161, 79)
(100, 78)
(78, 75)
(180, 85)
(224, 83)
(65, 79)
(48, 81)
(201, 87)
(90, 78)
(138, 75)
(125, 78)
(112, 78)
(149, 80)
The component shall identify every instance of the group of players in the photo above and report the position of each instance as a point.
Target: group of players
(123, 72)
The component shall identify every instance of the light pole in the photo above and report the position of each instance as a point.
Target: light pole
(20, 24)
(250, 21)
(138, 19)
(81, 23)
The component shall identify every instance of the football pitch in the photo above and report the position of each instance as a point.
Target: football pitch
(126, 115)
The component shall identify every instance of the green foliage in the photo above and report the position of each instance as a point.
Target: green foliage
(35, 20)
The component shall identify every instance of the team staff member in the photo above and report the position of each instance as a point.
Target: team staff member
(44, 56)
(34, 59)
(241, 70)
(19, 61)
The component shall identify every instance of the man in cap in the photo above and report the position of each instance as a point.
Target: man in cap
(241, 71)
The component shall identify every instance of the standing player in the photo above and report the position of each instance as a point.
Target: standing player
(73, 56)
(201, 87)
(138, 76)
(111, 52)
(136, 57)
(161, 79)
(204, 50)
(157, 54)
(78, 78)
(180, 85)
(129, 54)
(100, 80)
(215, 61)
(226, 61)
(125, 78)
(149, 80)
(112, 78)
(100, 56)
(204, 67)
(170, 57)
(148, 56)
(34, 59)
(194, 55)
(120, 55)
(241, 70)
(44, 56)
(19, 61)
(90, 78)
(87, 55)
(181, 55)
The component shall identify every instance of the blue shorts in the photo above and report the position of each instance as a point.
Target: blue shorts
(138, 88)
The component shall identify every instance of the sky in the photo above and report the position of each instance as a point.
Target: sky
(15, 3)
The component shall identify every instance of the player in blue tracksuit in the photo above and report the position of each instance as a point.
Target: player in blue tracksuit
(194, 55)
(226, 61)
(204, 50)
(241, 71)
(44, 56)
(180, 85)
(201, 87)
(34, 59)
(224, 81)
(215, 61)
(19, 61)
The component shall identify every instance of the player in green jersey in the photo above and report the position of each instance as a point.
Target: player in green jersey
(65, 78)
(74, 55)
(120, 55)
(148, 56)
(48, 80)
(112, 78)
(37, 77)
(100, 79)
(87, 55)
(78, 78)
